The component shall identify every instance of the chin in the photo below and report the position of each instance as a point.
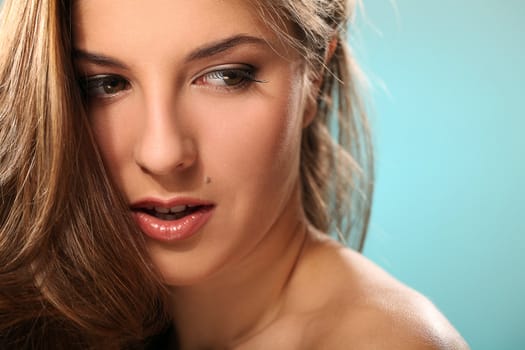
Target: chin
(183, 268)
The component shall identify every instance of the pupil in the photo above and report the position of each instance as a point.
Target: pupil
(112, 86)
(232, 78)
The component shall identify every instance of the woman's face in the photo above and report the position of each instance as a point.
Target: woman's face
(197, 109)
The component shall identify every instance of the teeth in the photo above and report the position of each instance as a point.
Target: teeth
(174, 210)
(162, 210)
(178, 208)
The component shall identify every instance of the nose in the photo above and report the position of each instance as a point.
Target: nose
(164, 146)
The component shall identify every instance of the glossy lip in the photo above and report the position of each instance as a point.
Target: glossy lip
(172, 230)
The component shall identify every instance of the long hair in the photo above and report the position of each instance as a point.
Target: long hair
(337, 163)
(74, 272)
(73, 269)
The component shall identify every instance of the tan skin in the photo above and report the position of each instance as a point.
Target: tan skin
(170, 125)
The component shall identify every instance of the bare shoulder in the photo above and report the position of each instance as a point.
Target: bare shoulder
(368, 309)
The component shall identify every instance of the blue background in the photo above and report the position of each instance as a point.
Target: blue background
(447, 85)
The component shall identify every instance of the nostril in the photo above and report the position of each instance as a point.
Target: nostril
(166, 155)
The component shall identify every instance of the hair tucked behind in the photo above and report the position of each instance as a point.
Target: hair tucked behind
(73, 271)
(337, 172)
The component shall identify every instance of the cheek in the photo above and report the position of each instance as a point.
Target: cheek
(115, 129)
(252, 138)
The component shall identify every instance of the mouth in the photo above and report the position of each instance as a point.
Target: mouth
(173, 220)
(171, 213)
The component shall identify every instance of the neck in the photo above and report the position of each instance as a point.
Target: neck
(241, 300)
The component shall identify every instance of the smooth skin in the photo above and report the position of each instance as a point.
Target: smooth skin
(200, 99)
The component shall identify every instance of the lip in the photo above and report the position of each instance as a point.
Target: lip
(169, 203)
(172, 230)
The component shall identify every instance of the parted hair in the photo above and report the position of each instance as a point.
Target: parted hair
(74, 271)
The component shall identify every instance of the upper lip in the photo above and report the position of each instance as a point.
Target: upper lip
(169, 203)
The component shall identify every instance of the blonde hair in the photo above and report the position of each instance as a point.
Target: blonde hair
(72, 275)
(337, 172)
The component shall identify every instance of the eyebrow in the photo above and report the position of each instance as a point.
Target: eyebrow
(207, 50)
(222, 45)
(98, 59)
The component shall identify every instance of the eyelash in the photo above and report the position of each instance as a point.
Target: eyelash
(90, 84)
(246, 74)
(97, 86)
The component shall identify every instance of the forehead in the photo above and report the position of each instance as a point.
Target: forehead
(125, 25)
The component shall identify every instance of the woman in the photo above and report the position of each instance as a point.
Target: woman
(167, 168)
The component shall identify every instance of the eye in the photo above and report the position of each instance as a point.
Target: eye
(228, 77)
(104, 85)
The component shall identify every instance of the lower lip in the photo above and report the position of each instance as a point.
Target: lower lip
(173, 230)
